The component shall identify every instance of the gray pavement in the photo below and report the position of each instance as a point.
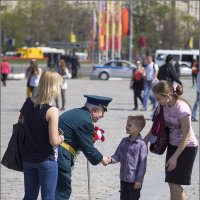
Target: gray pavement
(104, 180)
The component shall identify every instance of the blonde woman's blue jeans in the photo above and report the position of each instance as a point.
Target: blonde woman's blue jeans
(40, 175)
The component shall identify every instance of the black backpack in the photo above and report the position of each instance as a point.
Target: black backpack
(164, 73)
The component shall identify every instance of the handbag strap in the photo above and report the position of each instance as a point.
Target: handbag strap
(160, 107)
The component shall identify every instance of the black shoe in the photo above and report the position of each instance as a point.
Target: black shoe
(143, 109)
(135, 109)
(194, 119)
(62, 109)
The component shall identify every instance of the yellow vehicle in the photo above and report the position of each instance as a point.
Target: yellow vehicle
(31, 52)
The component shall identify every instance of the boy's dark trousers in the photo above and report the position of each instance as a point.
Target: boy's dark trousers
(128, 192)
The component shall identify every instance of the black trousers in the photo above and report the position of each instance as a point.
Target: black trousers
(137, 95)
(128, 192)
(4, 78)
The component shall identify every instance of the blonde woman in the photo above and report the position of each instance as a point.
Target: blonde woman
(40, 119)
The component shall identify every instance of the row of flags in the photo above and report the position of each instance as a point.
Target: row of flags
(111, 21)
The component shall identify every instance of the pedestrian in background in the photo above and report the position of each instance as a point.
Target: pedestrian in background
(151, 78)
(40, 121)
(28, 75)
(137, 83)
(75, 66)
(197, 101)
(195, 70)
(183, 146)
(78, 127)
(5, 70)
(132, 155)
(35, 74)
(64, 72)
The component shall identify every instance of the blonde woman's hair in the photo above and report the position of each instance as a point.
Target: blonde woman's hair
(165, 88)
(138, 120)
(49, 87)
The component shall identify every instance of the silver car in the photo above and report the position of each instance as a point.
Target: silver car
(112, 68)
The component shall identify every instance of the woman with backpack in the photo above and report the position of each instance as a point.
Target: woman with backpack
(137, 83)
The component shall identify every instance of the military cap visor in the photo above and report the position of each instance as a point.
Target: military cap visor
(98, 101)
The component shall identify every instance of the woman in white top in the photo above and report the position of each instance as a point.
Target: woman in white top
(64, 72)
(34, 77)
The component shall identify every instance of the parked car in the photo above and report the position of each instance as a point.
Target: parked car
(112, 68)
(13, 54)
(16, 76)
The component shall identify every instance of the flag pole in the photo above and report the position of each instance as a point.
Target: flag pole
(113, 30)
(120, 30)
(131, 30)
(107, 29)
(100, 16)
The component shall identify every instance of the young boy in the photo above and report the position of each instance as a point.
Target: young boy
(132, 155)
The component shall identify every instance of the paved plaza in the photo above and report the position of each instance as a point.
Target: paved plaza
(104, 180)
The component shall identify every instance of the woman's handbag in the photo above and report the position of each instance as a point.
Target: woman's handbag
(12, 158)
(160, 133)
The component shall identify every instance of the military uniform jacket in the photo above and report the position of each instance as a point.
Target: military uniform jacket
(78, 130)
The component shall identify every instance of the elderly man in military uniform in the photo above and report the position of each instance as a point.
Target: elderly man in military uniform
(77, 127)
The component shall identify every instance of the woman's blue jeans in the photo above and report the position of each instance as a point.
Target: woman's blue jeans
(42, 175)
(148, 93)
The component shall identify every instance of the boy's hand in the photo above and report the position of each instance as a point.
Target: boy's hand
(137, 185)
(110, 159)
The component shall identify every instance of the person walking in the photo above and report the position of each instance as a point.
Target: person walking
(197, 101)
(137, 83)
(34, 77)
(5, 70)
(132, 155)
(40, 121)
(183, 145)
(75, 66)
(64, 72)
(195, 70)
(167, 72)
(28, 76)
(151, 78)
(77, 127)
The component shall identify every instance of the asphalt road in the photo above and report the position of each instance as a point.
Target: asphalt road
(104, 180)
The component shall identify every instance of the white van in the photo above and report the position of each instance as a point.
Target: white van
(184, 57)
